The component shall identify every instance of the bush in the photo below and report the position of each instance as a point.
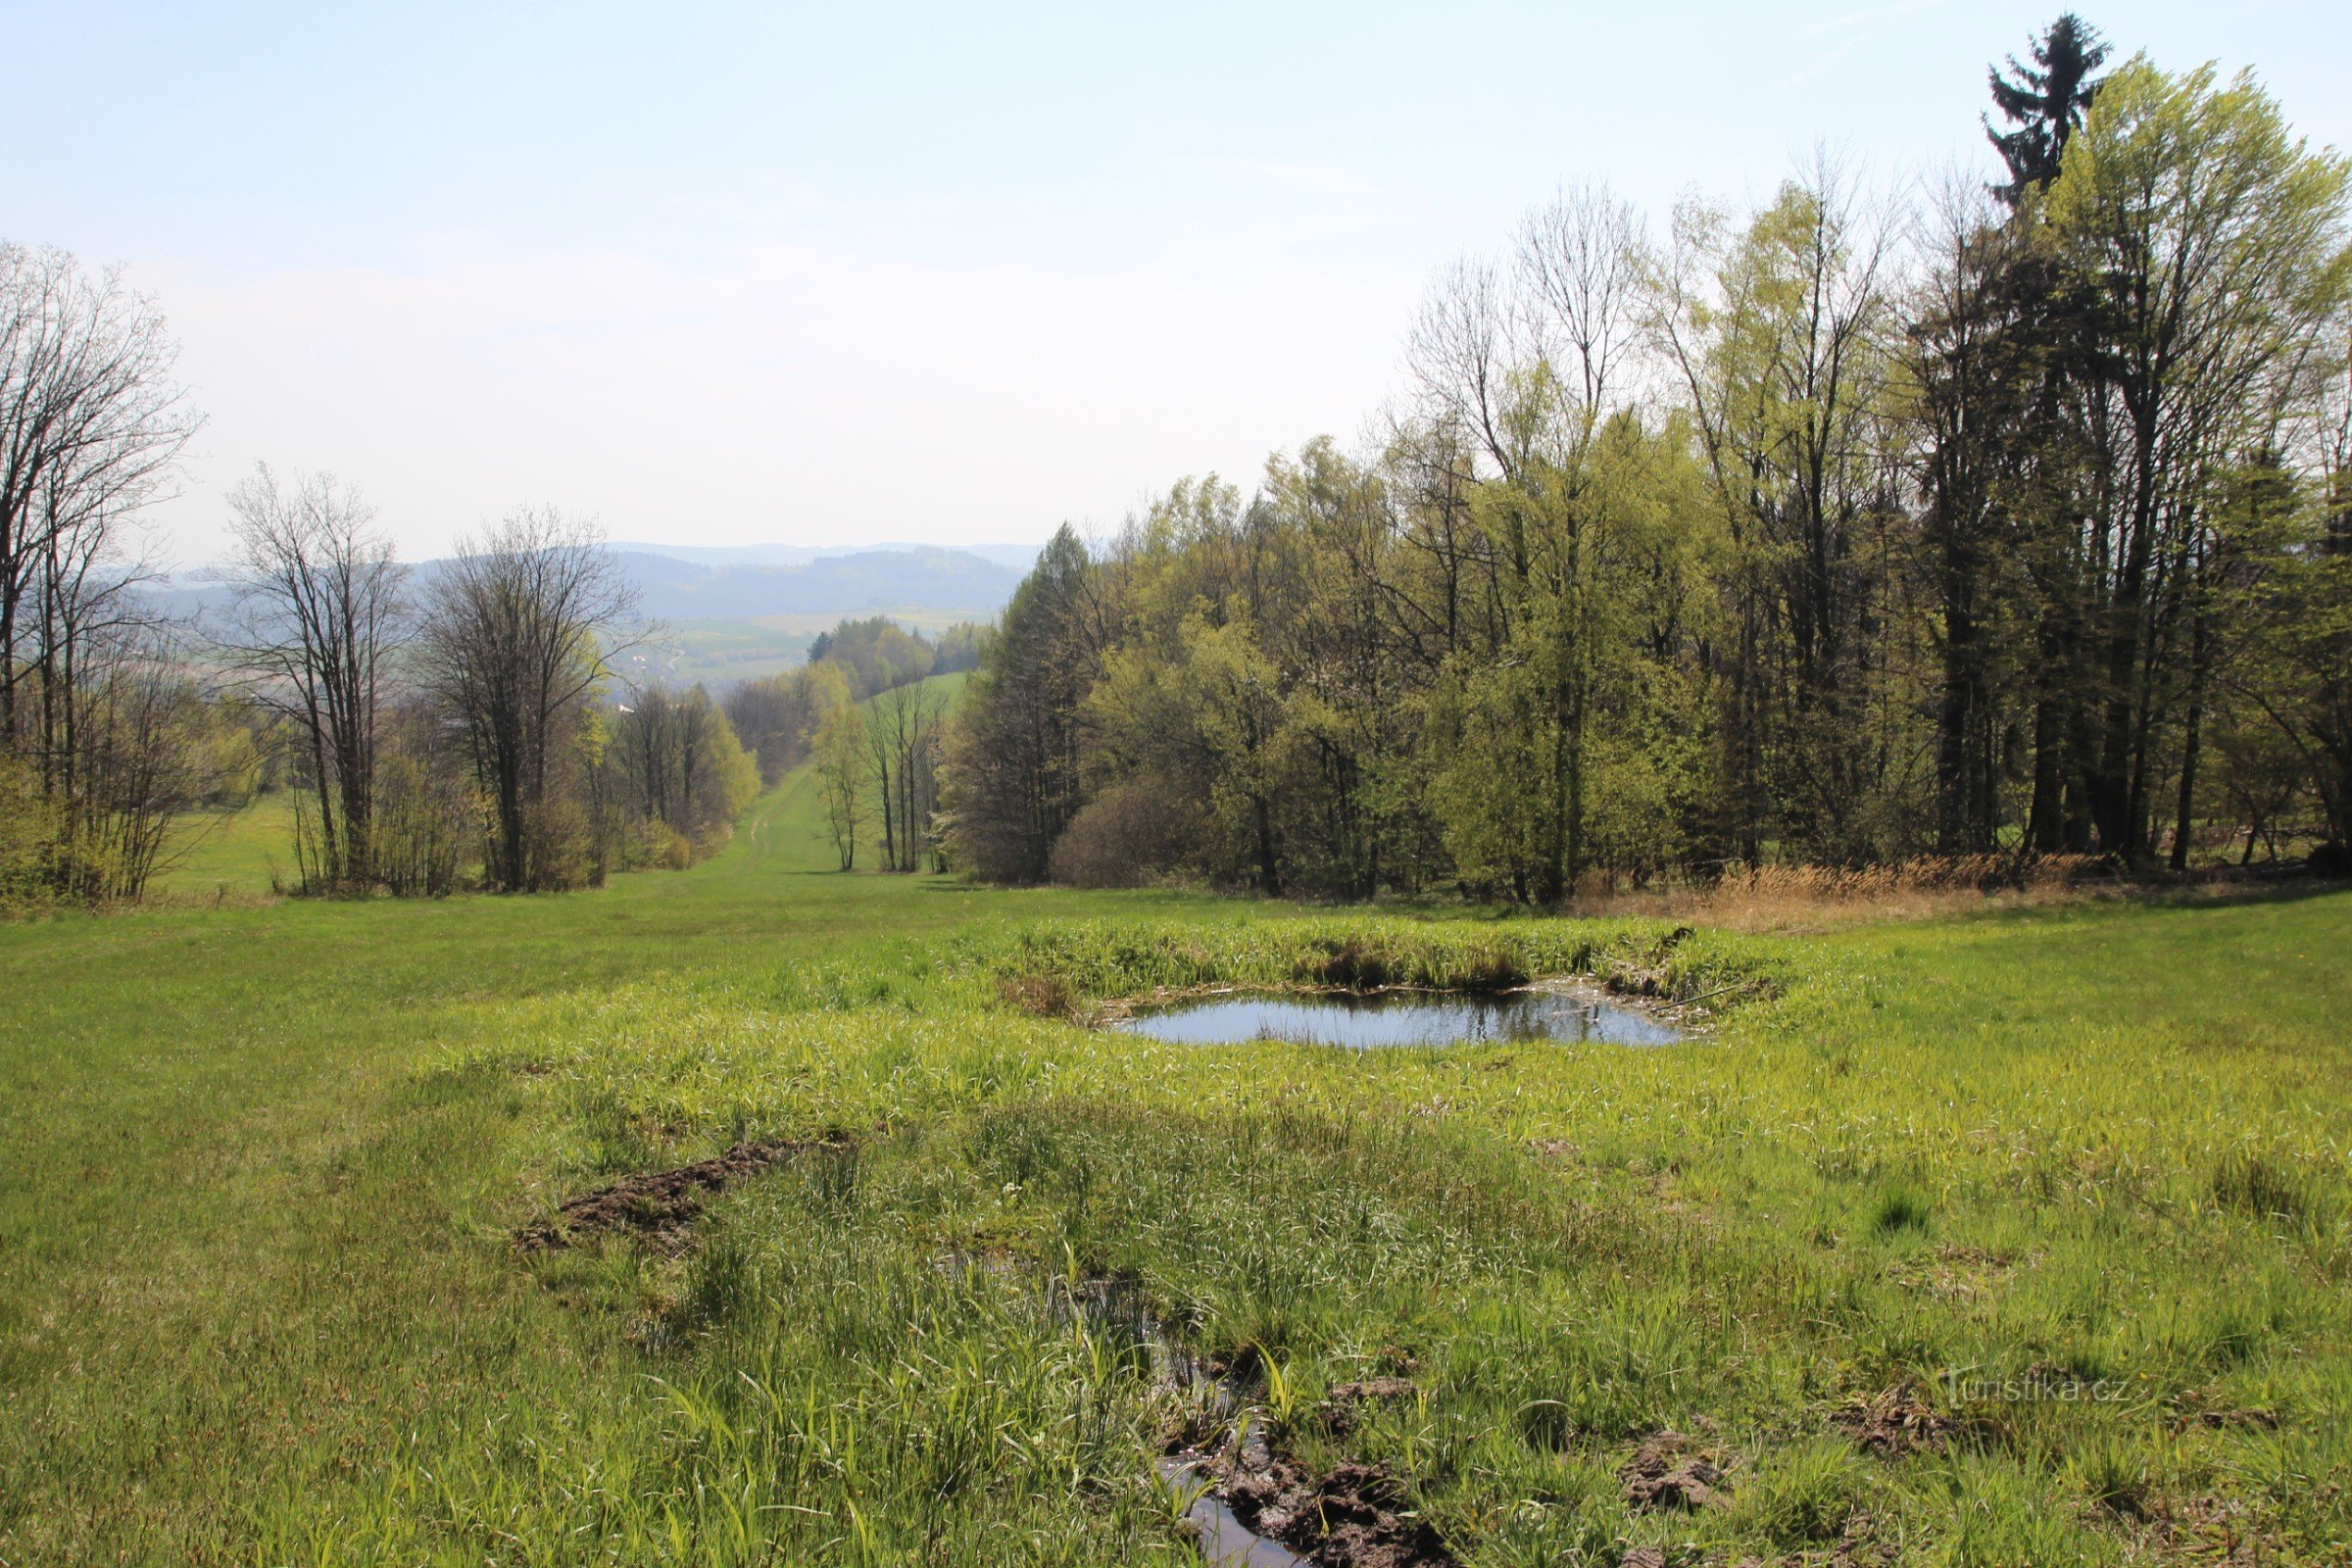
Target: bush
(428, 824)
(28, 827)
(1130, 835)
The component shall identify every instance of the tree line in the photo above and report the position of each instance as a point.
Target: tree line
(471, 728)
(2010, 520)
(452, 731)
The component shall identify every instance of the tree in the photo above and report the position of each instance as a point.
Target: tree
(1975, 366)
(320, 618)
(1783, 338)
(91, 428)
(518, 632)
(2212, 243)
(1012, 776)
(841, 772)
(2044, 102)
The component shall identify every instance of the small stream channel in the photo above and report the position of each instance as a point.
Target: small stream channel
(1399, 1018)
(1109, 1308)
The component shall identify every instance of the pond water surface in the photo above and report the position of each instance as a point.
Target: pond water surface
(1399, 1018)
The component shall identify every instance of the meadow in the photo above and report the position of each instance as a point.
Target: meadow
(2009, 1236)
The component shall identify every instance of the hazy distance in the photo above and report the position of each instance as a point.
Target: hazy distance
(742, 274)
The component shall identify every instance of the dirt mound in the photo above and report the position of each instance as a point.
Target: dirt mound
(1350, 1518)
(659, 1207)
(1665, 1472)
(1896, 1423)
(1347, 1402)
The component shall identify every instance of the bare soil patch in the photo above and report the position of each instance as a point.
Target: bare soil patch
(1667, 1471)
(658, 1208)
(1356, 1516)
(1896, 1423)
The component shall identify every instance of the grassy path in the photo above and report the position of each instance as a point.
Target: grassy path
(259, 1164)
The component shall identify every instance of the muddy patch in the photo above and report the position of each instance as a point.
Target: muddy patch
(1351, 1516)
(1354, 1516)
(1349, 1402)
(1896, 1423)
(658, 1208)
(1669, 1473)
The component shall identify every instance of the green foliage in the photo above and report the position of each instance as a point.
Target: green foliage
(2016, 546)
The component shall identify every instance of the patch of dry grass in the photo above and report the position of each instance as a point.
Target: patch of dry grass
(1814, 898)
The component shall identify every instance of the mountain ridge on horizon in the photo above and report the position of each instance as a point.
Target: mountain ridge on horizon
(1017, 556)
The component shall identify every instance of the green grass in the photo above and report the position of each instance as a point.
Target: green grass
(258, 1301)
(221, 854)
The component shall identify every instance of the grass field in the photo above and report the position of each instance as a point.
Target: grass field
(2065, 1190)
(222, 854)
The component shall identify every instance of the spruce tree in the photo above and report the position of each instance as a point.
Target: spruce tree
(2044, 102)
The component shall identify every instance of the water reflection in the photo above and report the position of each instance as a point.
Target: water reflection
(1401, 1018)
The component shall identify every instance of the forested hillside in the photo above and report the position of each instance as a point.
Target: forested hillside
(1865, 523)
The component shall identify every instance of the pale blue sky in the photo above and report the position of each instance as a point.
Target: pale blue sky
(732, 273)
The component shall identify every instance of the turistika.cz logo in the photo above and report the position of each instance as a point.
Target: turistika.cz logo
(2038, 1385)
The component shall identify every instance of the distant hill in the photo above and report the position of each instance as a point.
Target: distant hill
(919, 578)
(731, 619)
(1022, 557)
(853, 582)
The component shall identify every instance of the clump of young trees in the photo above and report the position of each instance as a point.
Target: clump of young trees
(779, 716)
(678, 771)
(1840, 530)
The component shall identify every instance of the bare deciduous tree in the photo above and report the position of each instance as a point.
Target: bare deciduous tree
(320, 617)
(516, 638)
(91, 426)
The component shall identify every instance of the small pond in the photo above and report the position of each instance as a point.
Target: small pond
(1399, 1018)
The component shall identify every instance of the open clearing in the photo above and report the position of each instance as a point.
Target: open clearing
(2014, 1238)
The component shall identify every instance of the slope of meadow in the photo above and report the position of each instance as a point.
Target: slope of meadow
(2020, 1237)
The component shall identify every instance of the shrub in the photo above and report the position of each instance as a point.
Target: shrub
(1131, 834)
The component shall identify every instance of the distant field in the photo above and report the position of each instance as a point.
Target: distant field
(260, 1299)
(235, 851)
(719, 651)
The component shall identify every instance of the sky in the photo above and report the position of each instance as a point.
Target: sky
(728, 273)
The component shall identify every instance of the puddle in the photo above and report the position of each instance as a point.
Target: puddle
(1224, 1540)
(1401, 1018)
(1118, 1315)
(1246, 1505)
